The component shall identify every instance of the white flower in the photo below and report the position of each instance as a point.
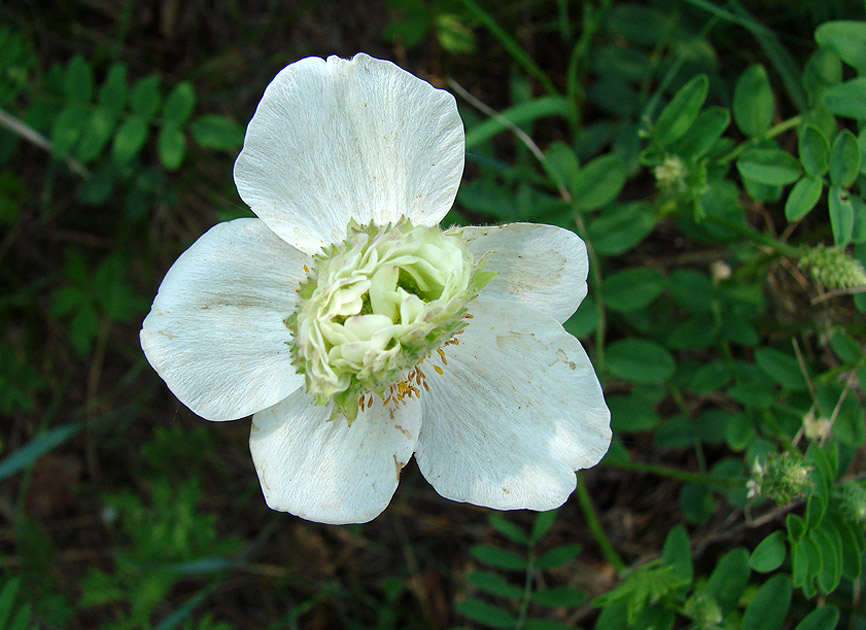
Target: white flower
(344, 301)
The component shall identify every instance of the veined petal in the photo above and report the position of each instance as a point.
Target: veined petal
(349, 139)
(330, 472)
(517, 410)
(542, 266)
(215, 332)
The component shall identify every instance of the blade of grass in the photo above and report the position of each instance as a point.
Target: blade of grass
(514, 49)
(517, 115)
(180, 615)
(37, 447)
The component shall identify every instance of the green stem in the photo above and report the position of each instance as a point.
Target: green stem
(595, 527)
(677, 474)
(527, 588)
(762, 239)
(772, 132)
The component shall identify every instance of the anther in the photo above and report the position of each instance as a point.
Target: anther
(438, 369)
(442, 356)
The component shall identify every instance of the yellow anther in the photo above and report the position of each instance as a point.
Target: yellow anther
(438, 369)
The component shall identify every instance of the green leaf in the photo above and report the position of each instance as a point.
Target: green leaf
(620, 228)
(677, 553)
(543, 522)
(561, 596)
(824, 618)
(97, 132)
(7, 599)
(769, 606)
(844, 159)
(729, 579)
(37, 447)
(546, 624)
(632, 412)
(112, 94)
(78, 81)
(558, 556)
(814, 149)
(67, 128)
(179, 104)
(847, 39)
(498, 558)
(678, 115)
(561, 162)
(171, 146)
(710, 377)
(841, 215)
(485, 613)
(494, 584)
(519, 114)
(803, 197)
(692, 290)
(781, 367)
(640, 361)
(509, 529)
(769, 166)
(753, 101)
(703, 134)
(216, 132)
(847, 99)
(598, 182)
(145, 97)
(769, 554)
(129, 139)
(632, 288)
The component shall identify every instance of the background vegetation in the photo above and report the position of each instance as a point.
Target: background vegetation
(711, 153)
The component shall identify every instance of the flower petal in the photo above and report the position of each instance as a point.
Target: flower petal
(339, 139)
(542, 266)
(215, 332)
(517, 410)
(330, 472)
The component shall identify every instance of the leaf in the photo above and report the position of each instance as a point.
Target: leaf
(498, 558)
(112, 94)
(632, 288)
(753, 101)
(677, 553)
(145, 97)
(678, 115)
(640, 361)
(781, 367)
(171, 146)
(598, 182)
(769, 166)
(632, 412)
(847, 99)
(97, 132)
(803, 197)
(37, 447)
(841, 215)
(543, 522)
(485, 613)
(728, 580)
(216, 132)
(129, 139)
(494, 584)
(814, 150)
(509, 529)
(824, 618)
(67, 128)
(560, 596)
(558, 556)
(847, 39)
(78, 81)
(768, 608)
(844, 159)
(692, 290)
(769, 554)
(179, 104)
(620, 228)
(703, 134)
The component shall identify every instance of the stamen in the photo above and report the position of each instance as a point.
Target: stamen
(361, 402)
(468, 316)
(438, 369)
(442, 356)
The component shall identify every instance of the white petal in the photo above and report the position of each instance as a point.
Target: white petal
(339, 139)
(331, 472)
(516, 412)
(543, 266)
(215, 332)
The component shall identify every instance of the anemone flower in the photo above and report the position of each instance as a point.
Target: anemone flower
(357, 332)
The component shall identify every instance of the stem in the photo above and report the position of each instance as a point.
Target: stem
(595, 527)
(677, 474)
(527, 588)
(772, 132)
(757, 237)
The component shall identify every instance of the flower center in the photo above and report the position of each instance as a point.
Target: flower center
(374, 306)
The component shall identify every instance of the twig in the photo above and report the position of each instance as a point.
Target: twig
(34, 137)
